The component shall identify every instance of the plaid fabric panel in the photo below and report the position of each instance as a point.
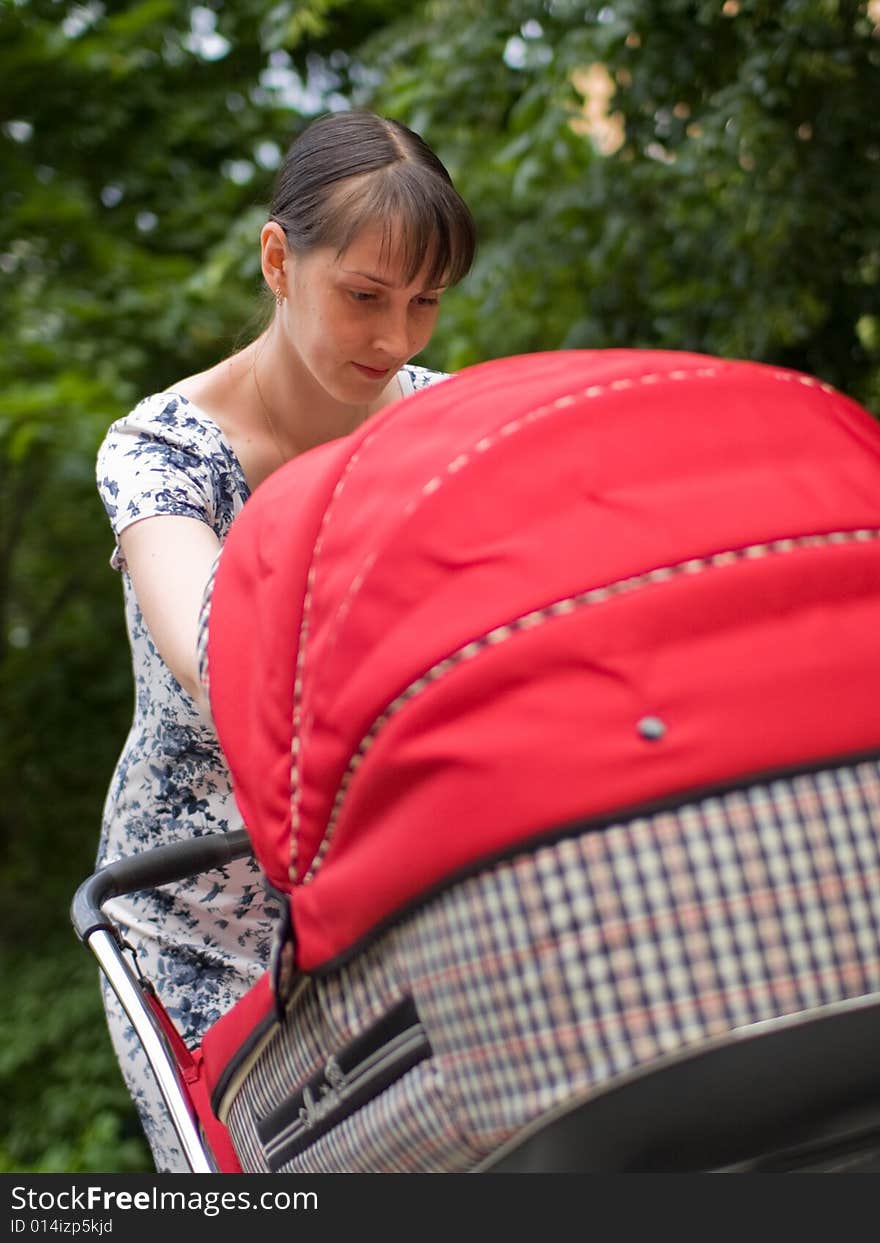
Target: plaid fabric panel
(328, 1014)
(406, 1130)
(282, 1063)
(550, 973)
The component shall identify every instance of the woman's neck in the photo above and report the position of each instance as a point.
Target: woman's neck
(271, 408)
(301, 411)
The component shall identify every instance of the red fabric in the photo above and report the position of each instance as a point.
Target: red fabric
(521, 482)
(216, 1136)
(229, 1033)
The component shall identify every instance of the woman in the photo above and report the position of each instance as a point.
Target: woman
(365, 232)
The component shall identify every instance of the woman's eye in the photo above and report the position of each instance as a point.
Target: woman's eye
(424, 300)
(361, 295)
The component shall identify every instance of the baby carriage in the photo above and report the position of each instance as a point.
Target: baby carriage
(552, 702)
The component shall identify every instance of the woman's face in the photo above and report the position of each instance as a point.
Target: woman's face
(353, 320)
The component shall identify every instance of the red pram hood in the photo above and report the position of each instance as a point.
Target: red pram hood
(547, 590)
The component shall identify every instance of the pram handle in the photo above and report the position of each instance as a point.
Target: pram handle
(159, 866)
(152, 868)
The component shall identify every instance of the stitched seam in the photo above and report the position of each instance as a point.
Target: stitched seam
(202, 629)
(561, 608)
(296, 741)
(433, 485)
(487, 442)
(481, 446)
(302, 641)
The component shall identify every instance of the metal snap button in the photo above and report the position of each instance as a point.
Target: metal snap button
(651, 728)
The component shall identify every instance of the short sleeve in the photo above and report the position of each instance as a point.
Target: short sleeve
(414, 378)
(156, 460)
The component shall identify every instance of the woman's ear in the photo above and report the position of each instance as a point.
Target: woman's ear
(275, 258)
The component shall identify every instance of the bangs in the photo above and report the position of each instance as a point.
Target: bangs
(424, 222)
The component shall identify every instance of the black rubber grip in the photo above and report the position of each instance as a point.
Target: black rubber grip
(159, 866)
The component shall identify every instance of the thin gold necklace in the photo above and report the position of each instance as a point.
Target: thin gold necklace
(269, 423)
(284, 458)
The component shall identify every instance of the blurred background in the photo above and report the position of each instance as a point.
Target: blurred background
(684, 174)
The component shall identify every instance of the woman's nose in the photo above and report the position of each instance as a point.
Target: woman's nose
(393, 335)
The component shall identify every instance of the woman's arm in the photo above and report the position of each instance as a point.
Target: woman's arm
(169, 559)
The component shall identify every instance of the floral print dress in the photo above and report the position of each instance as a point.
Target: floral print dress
(205, 941)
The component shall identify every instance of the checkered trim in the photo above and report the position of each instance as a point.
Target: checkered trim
(202, 631)
(352, 1077)
(558, 406)
(562, 608)
(547, 974)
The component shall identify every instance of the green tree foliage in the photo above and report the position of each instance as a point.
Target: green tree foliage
(119, 190)
(137, 146)
(65, 1107)
(694, 174)
(738, 215)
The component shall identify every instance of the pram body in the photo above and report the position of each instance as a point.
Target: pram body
(551, 702)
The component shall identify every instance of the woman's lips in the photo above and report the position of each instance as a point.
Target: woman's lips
(372, 373)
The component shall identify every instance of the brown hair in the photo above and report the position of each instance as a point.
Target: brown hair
(348, 170)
